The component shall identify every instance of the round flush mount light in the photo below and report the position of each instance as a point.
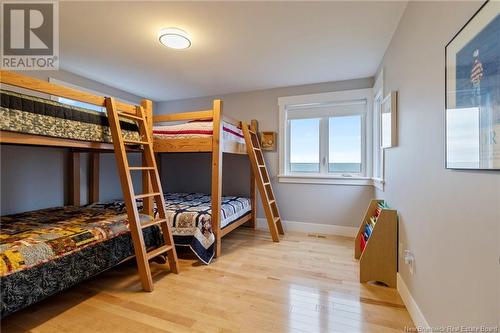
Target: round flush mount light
(174, 38)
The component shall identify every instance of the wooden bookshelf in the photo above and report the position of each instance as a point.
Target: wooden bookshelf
(378, 261)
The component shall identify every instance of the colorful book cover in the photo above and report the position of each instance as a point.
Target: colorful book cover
(362, 243)
(368, 229)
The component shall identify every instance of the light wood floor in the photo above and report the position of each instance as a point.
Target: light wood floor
(302, 284)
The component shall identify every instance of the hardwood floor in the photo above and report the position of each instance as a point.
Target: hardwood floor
(302, 284)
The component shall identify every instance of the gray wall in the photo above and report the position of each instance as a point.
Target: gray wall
(34, 177)
(323, 204)
(449, 219)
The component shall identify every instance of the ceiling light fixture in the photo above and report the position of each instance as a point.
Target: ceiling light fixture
(174, 38)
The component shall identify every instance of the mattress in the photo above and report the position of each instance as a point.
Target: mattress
(198, 129)
(33, 115)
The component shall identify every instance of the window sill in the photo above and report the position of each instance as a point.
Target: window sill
(378, 183)
(332, 180)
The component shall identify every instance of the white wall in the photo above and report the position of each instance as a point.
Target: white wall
(322, 204)
(34, 177)
(449, 219)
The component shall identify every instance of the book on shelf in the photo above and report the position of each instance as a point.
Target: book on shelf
(368, 229)
(362, 244)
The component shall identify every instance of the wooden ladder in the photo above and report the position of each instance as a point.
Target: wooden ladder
(263, 183)
(138, 222)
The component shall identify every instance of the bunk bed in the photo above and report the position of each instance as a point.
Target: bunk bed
(212, 131)
(46, 251)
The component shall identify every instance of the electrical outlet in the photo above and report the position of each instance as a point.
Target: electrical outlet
(409, 259)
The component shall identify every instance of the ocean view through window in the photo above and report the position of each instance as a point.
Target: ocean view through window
(304, 145)
(325, 137)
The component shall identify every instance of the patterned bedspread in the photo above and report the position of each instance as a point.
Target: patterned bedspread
(33, 115)
(33, 238)
(190, 216)
(190, 219)
(47, 251)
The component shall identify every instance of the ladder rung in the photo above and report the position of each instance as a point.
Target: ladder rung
(130, 116)
(260, 165)
(256, 148)
(252, 132)
(134, 142)
(153, 222)
(276, 219)
(141, 168)
(272, 201)
(265, 184)
(158, 251)
(147, 195)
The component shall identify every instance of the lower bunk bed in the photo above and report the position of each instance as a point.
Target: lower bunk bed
(46, 251)
(190, 219)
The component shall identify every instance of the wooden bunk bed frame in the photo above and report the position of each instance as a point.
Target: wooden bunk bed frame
(217, 146)
(75, 146)
(214, 144)
(150, 177)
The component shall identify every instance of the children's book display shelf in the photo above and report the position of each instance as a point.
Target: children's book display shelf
(376, 244)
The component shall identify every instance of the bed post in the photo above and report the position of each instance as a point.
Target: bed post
(74, 178)
(254, 127)
(146, 180)
(217, 174)
(93, 176)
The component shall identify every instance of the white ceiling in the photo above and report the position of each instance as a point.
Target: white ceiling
(237, 46)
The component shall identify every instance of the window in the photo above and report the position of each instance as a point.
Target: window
(78, 103)
(345, 145)
(304, 145)
(324, 138)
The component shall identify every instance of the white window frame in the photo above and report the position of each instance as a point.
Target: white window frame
(378, 151)
(308, 102)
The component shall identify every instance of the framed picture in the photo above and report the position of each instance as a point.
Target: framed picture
(388, 120)
(472, 86)
(268, 140)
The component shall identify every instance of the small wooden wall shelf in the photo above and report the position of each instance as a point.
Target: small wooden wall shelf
(378, 261)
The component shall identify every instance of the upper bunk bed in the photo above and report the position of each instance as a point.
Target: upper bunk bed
(214, 132)
(29, 120)
(199, 131)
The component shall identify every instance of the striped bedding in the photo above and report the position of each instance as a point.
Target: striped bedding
(197, 129)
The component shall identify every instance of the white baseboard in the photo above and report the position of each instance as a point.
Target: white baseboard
(325, 229)
(412, 306)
